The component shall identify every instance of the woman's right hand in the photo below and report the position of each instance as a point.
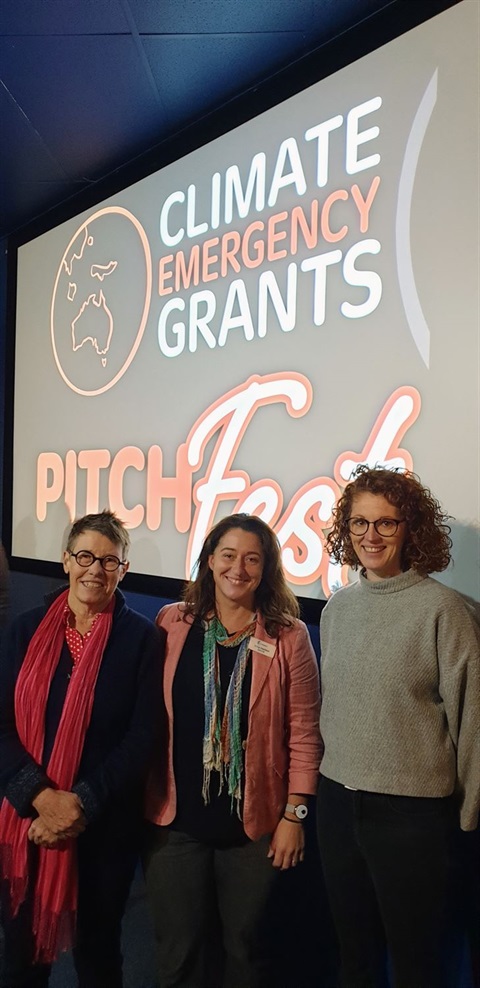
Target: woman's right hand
(61, 812)
(39, 834)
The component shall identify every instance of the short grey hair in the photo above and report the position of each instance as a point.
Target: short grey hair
(106, 523)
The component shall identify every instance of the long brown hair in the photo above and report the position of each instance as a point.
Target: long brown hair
(427, 544)
(273, 598)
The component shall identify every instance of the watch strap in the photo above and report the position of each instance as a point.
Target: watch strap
(300, 811)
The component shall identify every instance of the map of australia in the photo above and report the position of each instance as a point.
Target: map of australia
(92, 322)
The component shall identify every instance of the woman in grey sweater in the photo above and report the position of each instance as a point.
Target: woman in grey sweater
(400, 721)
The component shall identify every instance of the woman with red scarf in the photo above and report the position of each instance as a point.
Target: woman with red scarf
(79, 701)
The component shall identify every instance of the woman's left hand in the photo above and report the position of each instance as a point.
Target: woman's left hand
(287, 844)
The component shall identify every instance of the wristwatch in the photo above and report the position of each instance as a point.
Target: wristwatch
(300, 811)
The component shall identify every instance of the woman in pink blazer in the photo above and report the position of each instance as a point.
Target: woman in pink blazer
(242, 701)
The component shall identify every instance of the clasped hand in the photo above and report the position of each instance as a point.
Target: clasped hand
(60, 816)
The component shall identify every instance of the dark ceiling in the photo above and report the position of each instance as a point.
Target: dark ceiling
(87, 85)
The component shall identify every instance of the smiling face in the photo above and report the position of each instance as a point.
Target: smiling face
(380, 556)
(237, 567)
(92, 588)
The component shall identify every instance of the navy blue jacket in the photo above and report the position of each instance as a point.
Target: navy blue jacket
(126, 718)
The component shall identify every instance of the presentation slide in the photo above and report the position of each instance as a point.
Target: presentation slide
(241, 329)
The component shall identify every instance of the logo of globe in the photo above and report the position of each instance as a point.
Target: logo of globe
(101, 300)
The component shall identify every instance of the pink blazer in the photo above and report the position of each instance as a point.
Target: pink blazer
(283, 748)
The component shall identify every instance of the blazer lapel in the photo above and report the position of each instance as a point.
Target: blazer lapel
(176, 636)
(260, 663)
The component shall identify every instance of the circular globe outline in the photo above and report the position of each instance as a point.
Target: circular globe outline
(148, 294)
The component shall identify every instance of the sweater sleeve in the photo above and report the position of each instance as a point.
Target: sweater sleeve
(458, 645)
(302, 715)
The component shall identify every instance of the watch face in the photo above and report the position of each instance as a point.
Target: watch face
(301, 811)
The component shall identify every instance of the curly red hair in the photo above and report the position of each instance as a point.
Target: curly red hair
(427, 544)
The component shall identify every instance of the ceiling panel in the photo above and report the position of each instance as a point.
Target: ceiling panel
(93, 93)
(212, 65)
(220, 16)
(63, 17)
(24, 191)
(88, 85)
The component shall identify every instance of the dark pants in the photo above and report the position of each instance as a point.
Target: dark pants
(187, 881)
(386, 861)
(106, 867)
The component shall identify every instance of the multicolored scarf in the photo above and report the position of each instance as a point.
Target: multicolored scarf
(222, 739)
(55, 890)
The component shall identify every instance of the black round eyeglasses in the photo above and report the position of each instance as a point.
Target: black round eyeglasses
(86, 559)
(383, 526)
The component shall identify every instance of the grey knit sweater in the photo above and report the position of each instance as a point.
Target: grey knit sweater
(401, 691)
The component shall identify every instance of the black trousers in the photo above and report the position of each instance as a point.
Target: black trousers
(187, 882)
(386, 861)
(106, 865)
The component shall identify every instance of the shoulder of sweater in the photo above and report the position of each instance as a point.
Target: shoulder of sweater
(450, 599)
(423, 588)
(343, 595)
(430, 585)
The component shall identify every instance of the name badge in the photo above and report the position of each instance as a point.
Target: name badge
(257, 645)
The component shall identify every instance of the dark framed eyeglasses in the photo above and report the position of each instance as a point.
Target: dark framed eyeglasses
(383, 526)
(85, 559)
